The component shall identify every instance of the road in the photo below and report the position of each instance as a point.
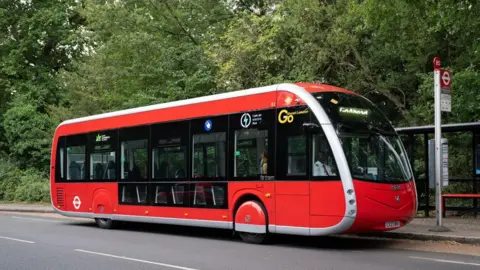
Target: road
(47, 242)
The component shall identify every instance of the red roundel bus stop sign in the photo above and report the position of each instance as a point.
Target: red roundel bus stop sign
(445, 85)
(445, 79)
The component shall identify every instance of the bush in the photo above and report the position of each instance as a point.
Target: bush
(33, 187)
(9, 180)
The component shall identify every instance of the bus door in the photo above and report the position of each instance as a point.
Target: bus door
(292, 188)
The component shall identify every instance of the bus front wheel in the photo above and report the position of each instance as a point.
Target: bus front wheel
(253, 238)
(104, 223)
(251, 222)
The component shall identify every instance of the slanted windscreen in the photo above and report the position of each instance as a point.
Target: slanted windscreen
(373, 149)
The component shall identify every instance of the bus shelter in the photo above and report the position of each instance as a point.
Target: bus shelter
(464, 156)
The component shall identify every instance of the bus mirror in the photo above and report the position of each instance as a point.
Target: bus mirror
(310, 126)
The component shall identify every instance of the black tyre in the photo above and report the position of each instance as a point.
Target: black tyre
(105, 223)
(253, 238)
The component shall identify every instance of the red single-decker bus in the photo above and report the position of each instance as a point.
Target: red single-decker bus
(302, 159)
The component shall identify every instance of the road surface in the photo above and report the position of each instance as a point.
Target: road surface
(48, 242)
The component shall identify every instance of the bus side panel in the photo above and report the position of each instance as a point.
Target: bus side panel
(292, 202)
(263, 190)
(77, 197)
(207, 214)
(327, 198)
(324, 221)
(134, 210)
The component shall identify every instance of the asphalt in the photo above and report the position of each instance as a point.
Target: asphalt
(461, 230)
(39, 242)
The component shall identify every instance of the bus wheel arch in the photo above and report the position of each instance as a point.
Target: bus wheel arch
(102, 206)
(250, 219)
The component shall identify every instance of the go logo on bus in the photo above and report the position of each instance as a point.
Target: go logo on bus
(285, 116)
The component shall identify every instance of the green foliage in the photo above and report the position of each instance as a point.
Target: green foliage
(9, 180)
(66, 59)
(28, 134)
(33, 187)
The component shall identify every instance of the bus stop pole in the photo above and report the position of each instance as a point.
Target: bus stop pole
(438, 144)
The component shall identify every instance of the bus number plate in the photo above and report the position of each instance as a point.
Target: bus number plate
(392, 224)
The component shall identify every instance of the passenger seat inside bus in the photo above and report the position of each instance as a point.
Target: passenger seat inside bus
(110, 171)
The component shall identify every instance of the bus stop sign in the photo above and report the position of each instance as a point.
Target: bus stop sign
(445, 97)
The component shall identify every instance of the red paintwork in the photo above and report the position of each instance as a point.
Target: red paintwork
(377, 205)
(324, 195)
(250, 212)
(316, 87)
(289, 203)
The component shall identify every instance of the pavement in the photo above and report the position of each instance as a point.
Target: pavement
(43, 241)
(461, 230)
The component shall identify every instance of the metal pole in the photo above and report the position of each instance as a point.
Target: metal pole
(438, 145)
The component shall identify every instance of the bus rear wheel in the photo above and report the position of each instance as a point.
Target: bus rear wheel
(105, 223)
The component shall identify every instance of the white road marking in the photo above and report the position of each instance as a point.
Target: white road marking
(136, 260)
(15, 239)
(445, 261)
(37, 219)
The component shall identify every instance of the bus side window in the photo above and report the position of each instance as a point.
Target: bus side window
(102, 150)
(252, 145)
(292, 144)
(209, 162)
(76, 157)
(170, 143)
(133, 165)
(323, 162)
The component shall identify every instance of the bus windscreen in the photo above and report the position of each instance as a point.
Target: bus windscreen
(373, 150)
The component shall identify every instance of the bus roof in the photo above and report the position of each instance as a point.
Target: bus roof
(309, 87)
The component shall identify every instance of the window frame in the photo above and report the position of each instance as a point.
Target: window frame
(135, 133)
(113, 133)
(197, 128)
(80, 139)
(282, 134)
(319, 132)
(169, 130)
(296, 129)
(268, 124)
(60, 167)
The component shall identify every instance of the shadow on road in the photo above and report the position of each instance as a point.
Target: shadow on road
(331, 242)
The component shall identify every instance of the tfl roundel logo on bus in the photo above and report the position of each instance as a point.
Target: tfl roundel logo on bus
(77, 202)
